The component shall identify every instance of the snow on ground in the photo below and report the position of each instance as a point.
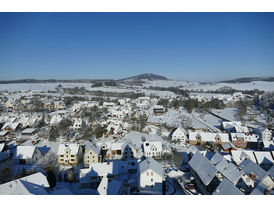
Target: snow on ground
(40, 86)
(261, 85)
(227, 113)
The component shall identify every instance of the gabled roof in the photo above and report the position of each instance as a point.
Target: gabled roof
(263, 157)
(249, 167)
(259, 190)
(208, 136)
(89, 145)
(230, 171)
(99, 169)
(34, 184)
(149, 145)
(203, 167)
(109, 187)
(74, 149)
(217, 157)
(24, 152)
(150, 163)
(227, 188)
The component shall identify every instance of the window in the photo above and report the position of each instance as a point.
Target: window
(151, 173)
(72, 160)
(93, 157)
(62, 155)
(62, 160)
(151, 179)
(119, 152)
(90, 152)
(72, 155)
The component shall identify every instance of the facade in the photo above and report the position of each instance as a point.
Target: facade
(91, 155)
(179, 135)
(244, 140)
(69, 154)
(26, 154)
(201, 138)
(150, 175)
(153, 149)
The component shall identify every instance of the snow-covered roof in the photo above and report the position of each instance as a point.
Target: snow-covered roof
(227, 188)
(259, 190)
(34, 184)
(230, 171)
(246, 136)
(3, 133)
(24, 152)
(217, 157)
(109, 187)
(28, 131)
(209, 136)
(2, 145)
(238, 156)
(153, 146)
(73, 148)
(150, 163)
(89, 145)
(249, 167)
(203, 167)
(263, 157)
(99, 169)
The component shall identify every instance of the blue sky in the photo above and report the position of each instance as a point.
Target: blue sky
(182, 46)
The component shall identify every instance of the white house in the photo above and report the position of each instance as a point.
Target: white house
(26, 154)
(179, 135)
(153, 149)
(77, 123)
(150, 175)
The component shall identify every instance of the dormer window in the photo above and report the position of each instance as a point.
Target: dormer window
(198, 137)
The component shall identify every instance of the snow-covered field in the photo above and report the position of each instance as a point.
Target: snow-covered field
(40, 86)
(227, 113)
(261, 85)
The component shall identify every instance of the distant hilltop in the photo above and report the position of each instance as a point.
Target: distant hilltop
(147, 76)
(249, 79)
(136, 78)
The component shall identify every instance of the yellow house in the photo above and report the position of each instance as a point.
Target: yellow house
(69, 154)
(92, 154)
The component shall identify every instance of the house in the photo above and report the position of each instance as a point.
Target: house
(11, 126)
(26, 154)
(92, 153)
(35, 184)
(235, 126)
(261, 189)
(69, 154)
(77, 123)
(229, 171)
(227, 188)
(153, 149)
(179, 135)
(264, 133)
(201, 138)
(116, 150)
(4, 151)
(150, 175)
(204, 173)
(28, 132)
(111, 187)
(92, 176)
(254, 171)
(158, 109)
(245, 140)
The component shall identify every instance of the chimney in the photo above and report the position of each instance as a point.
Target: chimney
(252, 175)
